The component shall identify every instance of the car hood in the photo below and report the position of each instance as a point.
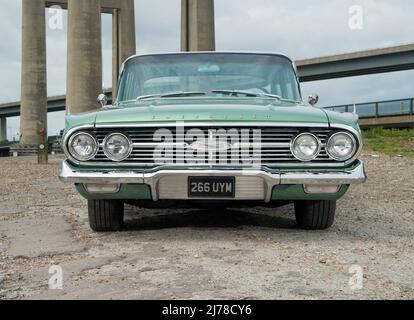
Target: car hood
(211, 111)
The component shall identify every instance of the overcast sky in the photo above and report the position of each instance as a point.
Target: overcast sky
(300, 29)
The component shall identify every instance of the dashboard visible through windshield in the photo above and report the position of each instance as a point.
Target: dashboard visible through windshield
(209, 74)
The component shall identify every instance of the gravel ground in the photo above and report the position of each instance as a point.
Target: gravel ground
(190, 254)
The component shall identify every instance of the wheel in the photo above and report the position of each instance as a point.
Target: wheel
(315, 215)
(106, 215)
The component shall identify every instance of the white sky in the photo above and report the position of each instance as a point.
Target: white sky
(300, 29)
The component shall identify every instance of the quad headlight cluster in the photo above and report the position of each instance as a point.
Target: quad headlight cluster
(305, 147)
(341, 146)
(84, 146)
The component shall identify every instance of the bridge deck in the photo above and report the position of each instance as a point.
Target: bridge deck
(406, 121)
(390, 59)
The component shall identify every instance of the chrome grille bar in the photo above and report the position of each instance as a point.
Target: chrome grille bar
(275, 145)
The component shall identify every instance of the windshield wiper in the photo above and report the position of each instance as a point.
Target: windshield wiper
(200, 93)
(247, 94)
(172, 95)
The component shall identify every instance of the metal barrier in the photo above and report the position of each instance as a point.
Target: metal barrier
(379, 109)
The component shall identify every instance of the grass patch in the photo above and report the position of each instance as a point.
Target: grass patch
(391, 142)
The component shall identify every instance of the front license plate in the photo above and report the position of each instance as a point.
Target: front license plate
(211, 187)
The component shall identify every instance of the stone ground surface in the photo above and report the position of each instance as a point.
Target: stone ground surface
(190, 254)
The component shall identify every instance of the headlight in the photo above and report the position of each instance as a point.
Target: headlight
(82, 146)
(117, 146)
(341, 146)
(305, 147)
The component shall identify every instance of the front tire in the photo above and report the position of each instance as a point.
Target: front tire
(315, 215)
(106, 215)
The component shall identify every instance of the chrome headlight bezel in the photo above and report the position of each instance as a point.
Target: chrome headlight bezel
(350, 155)
(314, 156)
(109, 155)
(74, 154)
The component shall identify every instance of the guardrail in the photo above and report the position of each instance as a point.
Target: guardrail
(379, 109)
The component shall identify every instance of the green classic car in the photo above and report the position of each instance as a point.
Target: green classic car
(211, 129)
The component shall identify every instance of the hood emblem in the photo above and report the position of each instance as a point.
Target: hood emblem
(209, 145)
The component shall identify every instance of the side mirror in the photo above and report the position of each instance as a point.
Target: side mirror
(103, 100)
(313, 99)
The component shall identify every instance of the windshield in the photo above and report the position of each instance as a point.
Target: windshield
(209, 74)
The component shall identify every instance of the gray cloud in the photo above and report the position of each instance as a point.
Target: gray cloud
(301, 29)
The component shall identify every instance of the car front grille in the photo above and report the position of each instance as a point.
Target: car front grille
(275, 145)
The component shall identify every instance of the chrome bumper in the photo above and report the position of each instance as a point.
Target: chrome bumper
(270, 179)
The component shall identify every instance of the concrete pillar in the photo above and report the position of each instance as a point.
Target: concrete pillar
(115, 52)
(84, 74)
(123, 37)
(3, 129)
(197, 25)
(33, 82)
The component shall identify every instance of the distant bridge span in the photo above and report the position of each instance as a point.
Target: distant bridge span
(366, 62)
(54, 104)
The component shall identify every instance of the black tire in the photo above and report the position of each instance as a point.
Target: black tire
(106, 215)
(315, 215)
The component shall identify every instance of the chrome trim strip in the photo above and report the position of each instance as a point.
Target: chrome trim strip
(353, 176)
(65, 143)
(71, 175)
(357, 136)
(203, 52)
(217, 123)
(184, 144)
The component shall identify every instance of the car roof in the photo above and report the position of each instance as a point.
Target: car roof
(208, 52)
